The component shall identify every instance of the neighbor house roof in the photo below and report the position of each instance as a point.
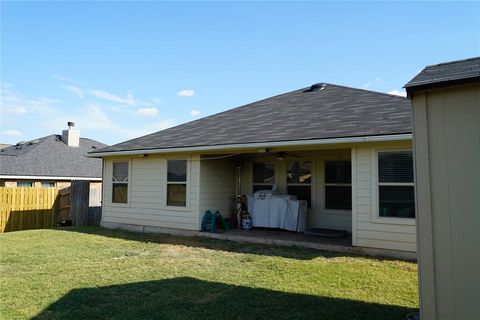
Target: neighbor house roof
(51, 157)
(318, 112)
(448, 73)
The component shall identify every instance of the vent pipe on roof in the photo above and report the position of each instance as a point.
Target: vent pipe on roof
(71, 136)
(316, 87)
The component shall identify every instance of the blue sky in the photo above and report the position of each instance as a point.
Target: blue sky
(124, 69)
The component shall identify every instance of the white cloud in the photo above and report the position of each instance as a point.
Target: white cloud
(16, 103)
(398, 92)
(15, 110)
(372, 82)
(12, 133)
(111, 97)
(164, 124)
(150, 112)
(76, 90)
(186, 93)
(194, 112)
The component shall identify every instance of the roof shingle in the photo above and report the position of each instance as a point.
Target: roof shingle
(446, 73)
(50, 156)
(332, 112)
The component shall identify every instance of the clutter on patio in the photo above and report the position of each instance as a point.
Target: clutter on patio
(211, 220)
(271, 209)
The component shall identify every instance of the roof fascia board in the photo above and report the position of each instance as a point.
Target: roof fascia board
(293, 143)
(48, 178)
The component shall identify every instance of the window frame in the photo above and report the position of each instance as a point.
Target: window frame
(186, 183)
(376, 194)
(129, 175)
(275, 173)
(311, 184)
(326, 184)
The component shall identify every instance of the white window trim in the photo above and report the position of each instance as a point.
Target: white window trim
(312, 180)
(187, 187)
(275, 174)
(116, 204)
(325, 184)
(375, 217)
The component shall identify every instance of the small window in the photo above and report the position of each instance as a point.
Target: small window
(25, 184)
(263, 176)
(396, 193)
(120, 182)
(299, 180)
(48, 184)
(177, 183)
(338, 185)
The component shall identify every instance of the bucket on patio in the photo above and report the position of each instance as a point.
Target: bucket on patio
(247, 223)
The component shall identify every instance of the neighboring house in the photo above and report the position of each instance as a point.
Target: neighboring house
(51, 161)
(446, 107)
(4, 145)
(355, 147)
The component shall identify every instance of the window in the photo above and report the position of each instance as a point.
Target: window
(338, 185)
(47, 184)
(299, 180)
(396, 193)
(177, 183)
(120, 182)
(263, 176)
(25, 184)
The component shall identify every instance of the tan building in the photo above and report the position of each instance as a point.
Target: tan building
(347, 152)
(446, 105)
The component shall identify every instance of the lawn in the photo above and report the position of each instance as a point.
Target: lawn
(94, 273)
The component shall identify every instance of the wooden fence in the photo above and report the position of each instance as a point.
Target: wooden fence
(27, 208)
(43, 208)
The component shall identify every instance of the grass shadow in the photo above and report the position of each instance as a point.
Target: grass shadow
(190, 298)
(214, 244)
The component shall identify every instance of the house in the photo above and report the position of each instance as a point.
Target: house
(51, 161)
(446, 108)
(355, 147)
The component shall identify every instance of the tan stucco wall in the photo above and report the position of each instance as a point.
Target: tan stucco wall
(447, 150)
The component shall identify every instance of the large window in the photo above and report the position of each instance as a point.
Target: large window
(177, 183)
(47, 184)
(24, 184)
(120, 182)
(263, 176)
(299, 180)
(396, 192)
(338, 185)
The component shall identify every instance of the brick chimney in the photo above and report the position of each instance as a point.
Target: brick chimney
(71, 136)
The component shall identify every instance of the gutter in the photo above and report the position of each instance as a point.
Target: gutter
(292, 143)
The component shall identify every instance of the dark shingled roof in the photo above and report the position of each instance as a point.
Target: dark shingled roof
(329, 111)
(50, 156)
(448, 73)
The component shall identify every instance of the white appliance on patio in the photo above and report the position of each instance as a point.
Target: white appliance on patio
(270, 209)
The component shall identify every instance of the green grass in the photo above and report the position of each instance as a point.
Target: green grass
(94, 273)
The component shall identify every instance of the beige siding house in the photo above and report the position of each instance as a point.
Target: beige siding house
(446, 101)
(346, 151)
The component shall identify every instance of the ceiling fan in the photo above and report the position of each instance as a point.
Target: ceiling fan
(281, 155)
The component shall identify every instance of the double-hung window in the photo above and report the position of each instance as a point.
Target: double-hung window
(263, 176)
(177, 183)
(299, 180)
(396, 194)
(338, 185)
(120, 182)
